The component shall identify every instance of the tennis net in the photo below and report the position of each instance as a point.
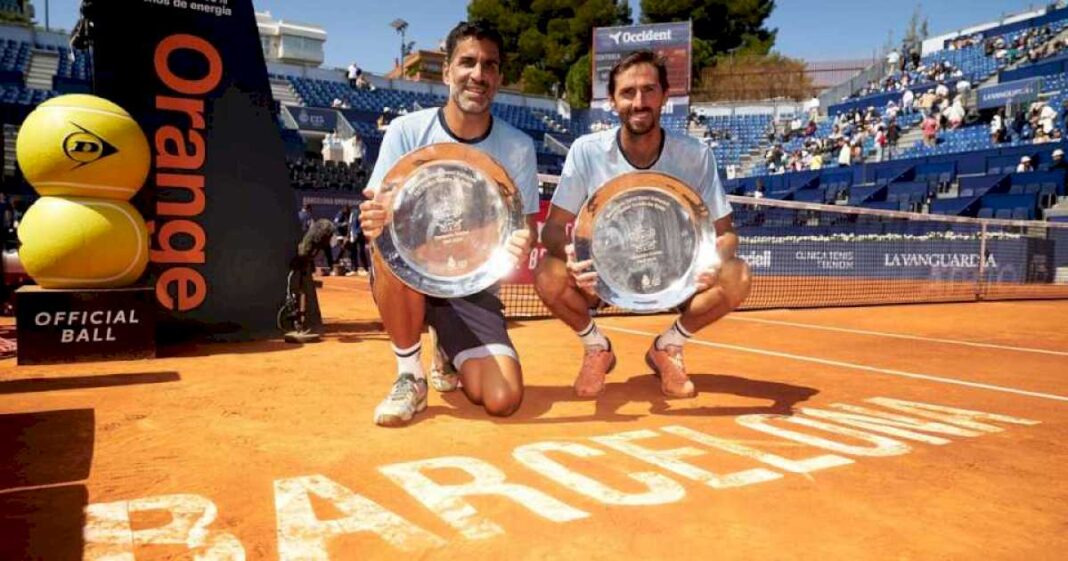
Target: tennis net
(810, 255)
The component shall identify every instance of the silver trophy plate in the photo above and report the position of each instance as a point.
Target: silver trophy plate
(649, 236)
(452, 209)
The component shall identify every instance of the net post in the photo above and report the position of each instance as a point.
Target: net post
(982, 262)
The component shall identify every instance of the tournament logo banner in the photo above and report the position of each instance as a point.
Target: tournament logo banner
(669, 40)
(998, 95)
(313, 119)
(1005, 261)
(218, 201)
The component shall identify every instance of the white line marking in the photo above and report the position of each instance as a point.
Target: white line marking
(899, 336)
(901, 373)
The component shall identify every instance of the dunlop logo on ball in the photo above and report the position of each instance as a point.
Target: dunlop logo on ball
(85, 147)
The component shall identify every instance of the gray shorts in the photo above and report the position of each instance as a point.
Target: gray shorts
(469, 327)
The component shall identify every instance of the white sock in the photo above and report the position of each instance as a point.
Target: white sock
(591, 337)
(675, 335)
(408, 361)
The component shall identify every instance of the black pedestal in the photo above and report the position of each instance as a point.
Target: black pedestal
(82, 325)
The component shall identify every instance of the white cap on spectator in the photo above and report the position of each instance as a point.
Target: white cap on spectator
(1058, 152)
(1025, 159)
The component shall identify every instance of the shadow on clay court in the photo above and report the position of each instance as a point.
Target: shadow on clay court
(201, 349)
(354, 331)
(86, 382)
(374, 327)
(772, 397)
(53, 448)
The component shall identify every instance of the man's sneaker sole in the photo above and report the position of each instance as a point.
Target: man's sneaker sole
(390, 420)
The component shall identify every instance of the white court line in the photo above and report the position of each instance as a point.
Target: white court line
(899, 336)
(855, 366)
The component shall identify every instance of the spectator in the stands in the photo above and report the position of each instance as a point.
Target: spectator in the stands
(328, 147)
(891, 111)
(1047, 116)
(774, 158)
(1025, 165)
(881, 143)
(893, 62)
(929, 126)
(907, 100)
(893, 134)
(997, 127)
(817, 161)
(1027, 132)
(845, 153)
(942, 91)
(1057, 162)
(362, 83)
(354, 74)
(795, 128)
(1017, 123)
(856, 150)
(955, 114)
(336, 104)
(926, 101)
(305, 217)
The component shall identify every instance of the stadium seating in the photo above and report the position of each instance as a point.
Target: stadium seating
(367, 105)
(14, 55)
(315, 174)
(965, 173)
(972, 61)
(747, 132)
(78, 69)
(23, 96)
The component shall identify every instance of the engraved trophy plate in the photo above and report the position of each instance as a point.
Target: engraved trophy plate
(649, 236)
(451, 210)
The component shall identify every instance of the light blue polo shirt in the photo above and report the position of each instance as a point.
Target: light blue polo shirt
(596, 158)
(512, 148)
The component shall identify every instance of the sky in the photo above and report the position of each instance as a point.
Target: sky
(359, 31)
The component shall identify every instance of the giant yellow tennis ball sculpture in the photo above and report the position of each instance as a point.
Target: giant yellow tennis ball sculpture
(83, 243)
(81, 145)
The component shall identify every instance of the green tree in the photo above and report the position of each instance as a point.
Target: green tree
(916, 31)
(579, 83)
(545, 39)
(536, 80)
(720, 27)
(18, 17)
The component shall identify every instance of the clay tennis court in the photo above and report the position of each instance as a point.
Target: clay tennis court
(267, 451)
